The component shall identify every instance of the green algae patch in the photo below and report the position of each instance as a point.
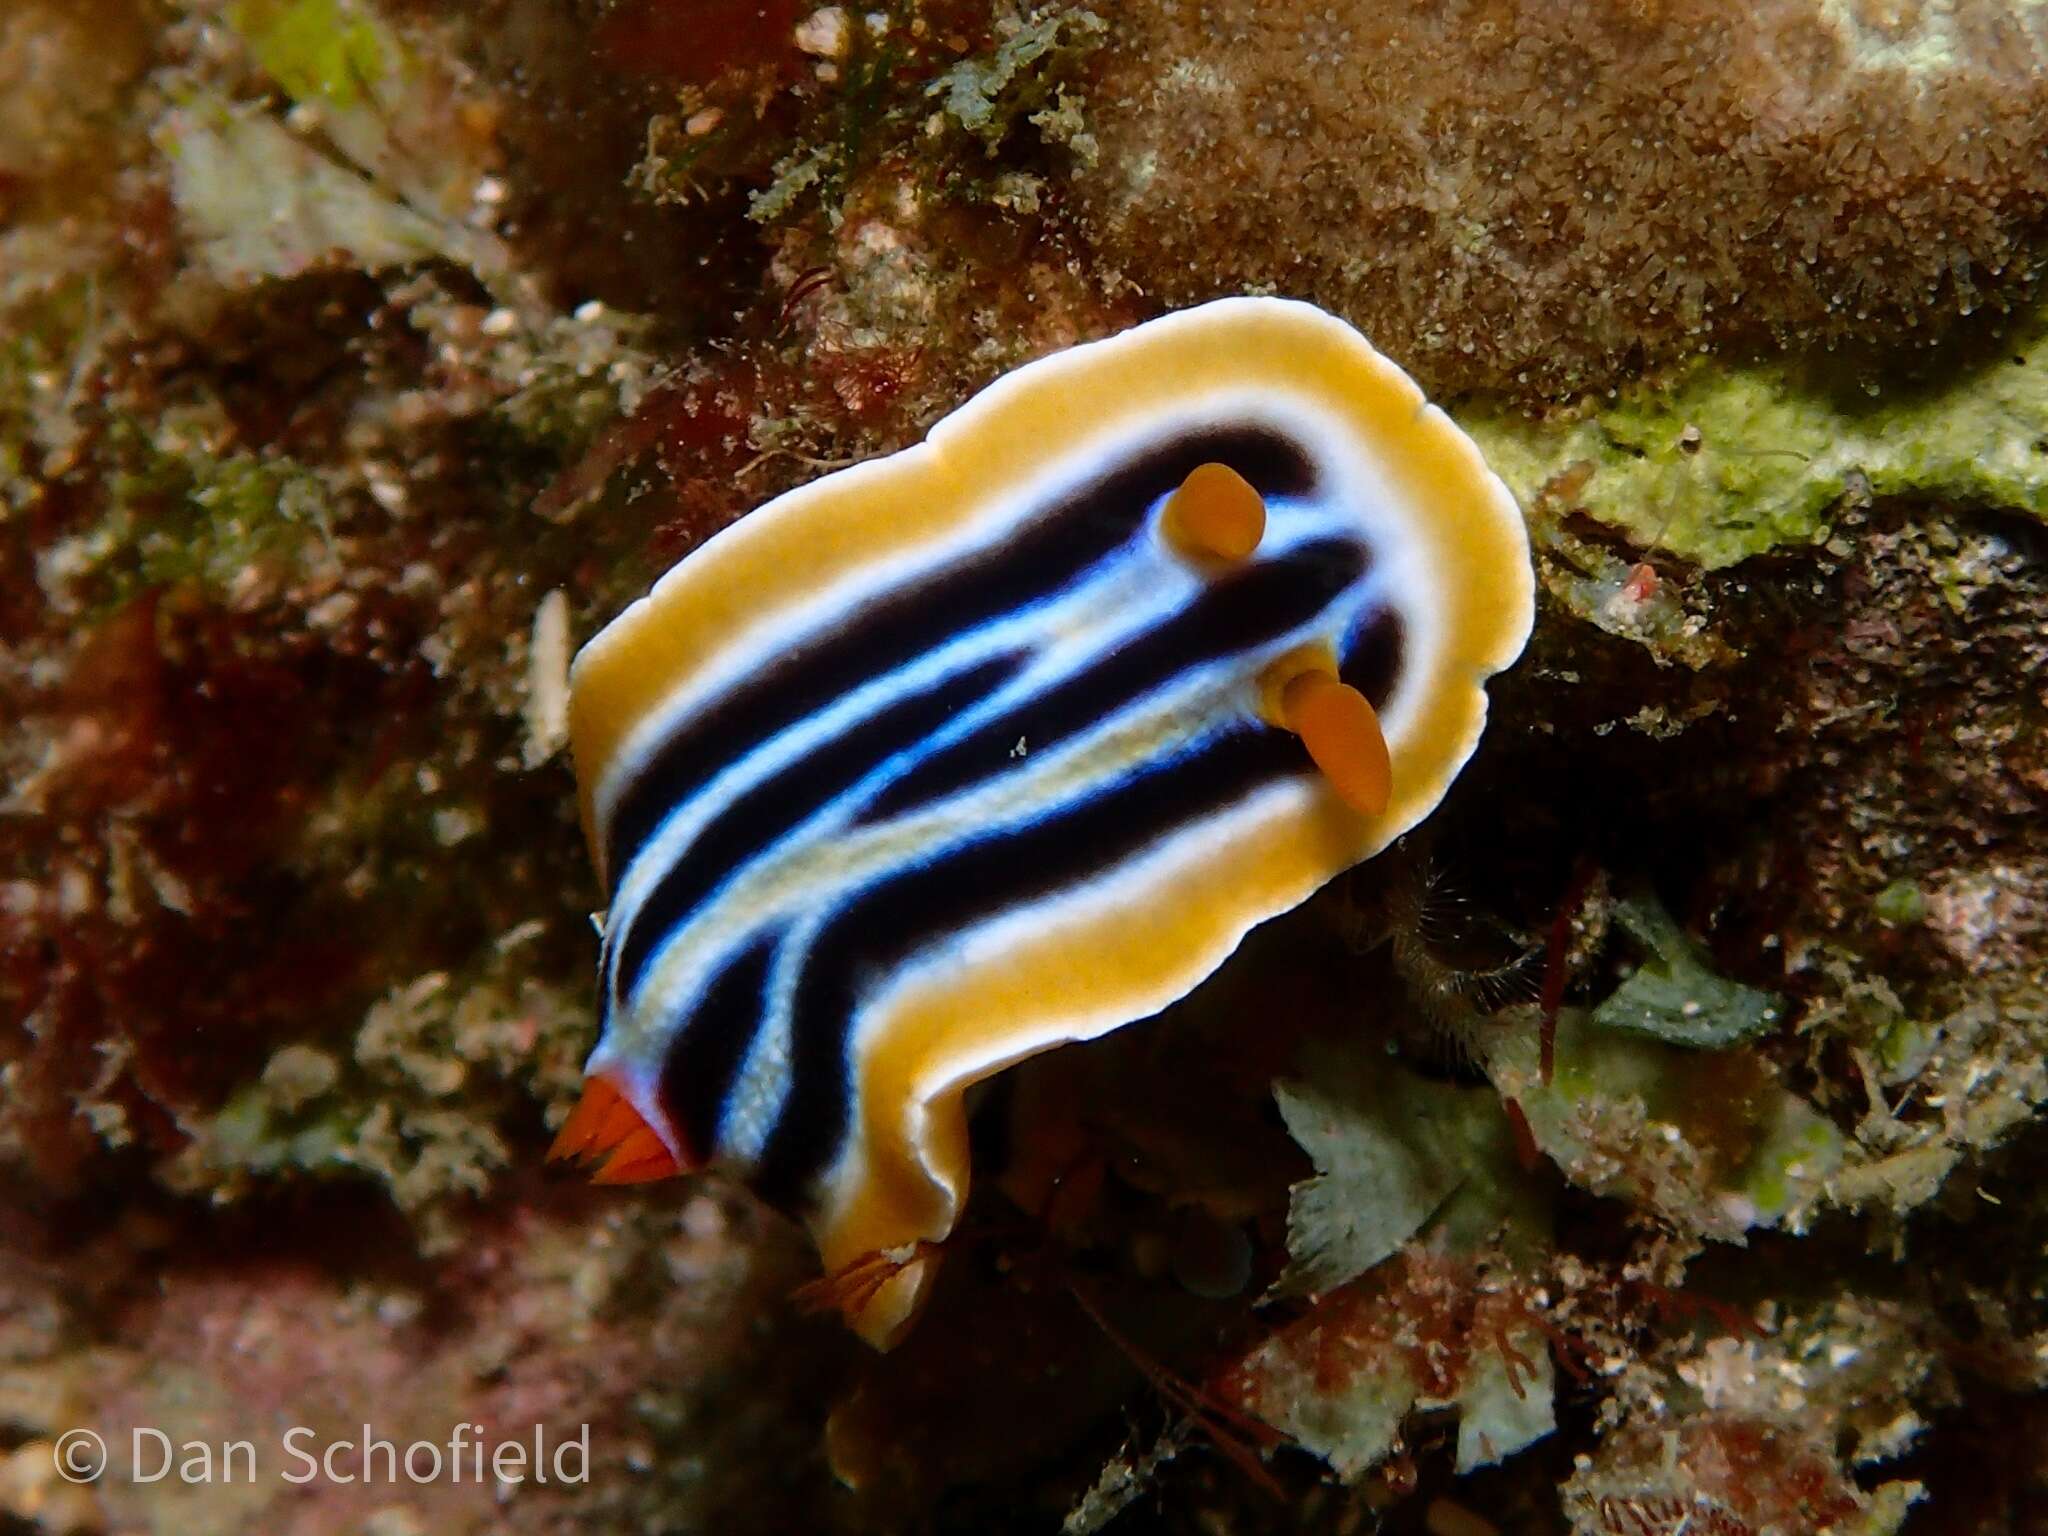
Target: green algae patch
(265, 1129)
(42, 334)
(1675, 995)
(257, 201)
(1350, 1411)
(1710, 1141)
(1397, 1156)
(796, 173)
(986, 95)
(390, 178)
(1902, 904)
(1407, 1240)
(1717, 463)
(1379, 1176)
(415, 1104)
(1353, 1426)
(1508, 1400)
(893, 97)
(179, 516)
(325, 51)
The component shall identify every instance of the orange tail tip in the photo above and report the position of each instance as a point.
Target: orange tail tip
(604, 1125)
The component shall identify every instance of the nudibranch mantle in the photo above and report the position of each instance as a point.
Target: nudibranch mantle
(955, 756)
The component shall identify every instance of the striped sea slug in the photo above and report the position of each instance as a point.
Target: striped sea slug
(1006, 740)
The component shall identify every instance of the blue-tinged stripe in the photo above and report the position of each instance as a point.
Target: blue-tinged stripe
(883, 925)
(938, 749)
(1046, 555)
(704, 1059)
(1239, 612)
(754, 819)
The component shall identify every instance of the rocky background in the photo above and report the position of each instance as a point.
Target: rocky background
(1650, 1145)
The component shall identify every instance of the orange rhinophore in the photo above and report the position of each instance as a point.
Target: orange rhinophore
(1342, 732)
(1216, 514)
(604, 1126)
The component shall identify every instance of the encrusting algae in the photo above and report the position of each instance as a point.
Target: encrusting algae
(1538, 198)
(1656, 1149)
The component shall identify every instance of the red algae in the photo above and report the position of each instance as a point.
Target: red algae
(693, 42)
(186, 766)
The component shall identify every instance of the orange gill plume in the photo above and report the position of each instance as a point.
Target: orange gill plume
(606, 1130)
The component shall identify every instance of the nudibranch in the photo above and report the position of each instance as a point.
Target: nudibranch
(1006, 740)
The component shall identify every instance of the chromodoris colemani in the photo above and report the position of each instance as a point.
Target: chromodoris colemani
(1006, 740)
